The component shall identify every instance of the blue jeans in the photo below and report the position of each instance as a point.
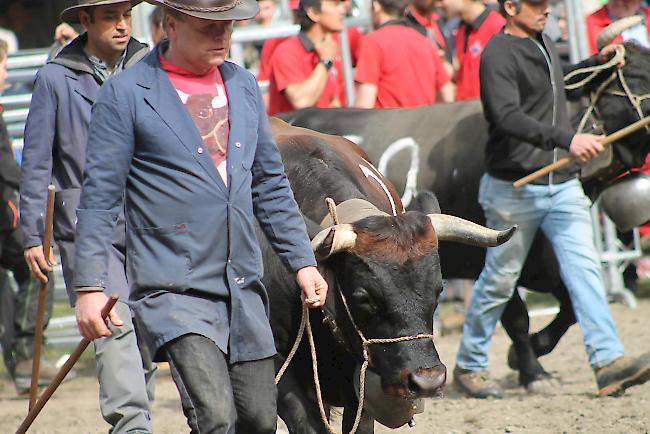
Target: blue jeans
(562, 212)
(218, 397)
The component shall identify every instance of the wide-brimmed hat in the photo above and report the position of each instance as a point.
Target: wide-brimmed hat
(71, 14)
(213, 9)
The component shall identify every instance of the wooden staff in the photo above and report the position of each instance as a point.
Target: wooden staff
(60, 376)
(566, 160)
(42, 296)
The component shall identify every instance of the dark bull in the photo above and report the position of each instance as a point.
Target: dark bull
(380, 261)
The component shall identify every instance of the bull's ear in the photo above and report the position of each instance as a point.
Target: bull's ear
(333, 240)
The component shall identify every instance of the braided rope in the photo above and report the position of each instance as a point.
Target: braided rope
(296, 344)
(593, 71)
(190, 8)
(305, 324)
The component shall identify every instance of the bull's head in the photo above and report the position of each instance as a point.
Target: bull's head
(620, 98)
(388, 270)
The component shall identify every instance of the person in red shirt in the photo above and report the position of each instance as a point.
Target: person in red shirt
(398, 67)
(614, 10)
(264, 72)
(422, 15)
(478, 25)
(306, 69)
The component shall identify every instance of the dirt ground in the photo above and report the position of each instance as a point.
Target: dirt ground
(574, 409)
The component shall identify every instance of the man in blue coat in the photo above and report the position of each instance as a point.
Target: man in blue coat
(183, 141)
(55, 152)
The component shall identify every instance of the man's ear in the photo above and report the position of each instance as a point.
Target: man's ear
(84, 19)
(313, 14)
(510, 8)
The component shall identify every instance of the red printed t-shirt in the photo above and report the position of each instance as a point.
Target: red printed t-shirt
(404, 66)
(293, 62)
(204, 96)
(471, 39)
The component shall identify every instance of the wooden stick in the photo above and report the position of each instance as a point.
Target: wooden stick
(564, 161)
(42, 296)
(60, 376)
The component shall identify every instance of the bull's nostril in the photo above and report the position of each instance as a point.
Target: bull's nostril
(426, 382)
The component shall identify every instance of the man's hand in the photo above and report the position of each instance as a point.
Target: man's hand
(64, 33)
(37, 263)
(584, 147)
(314, 287)
(607, 52)
(327, 48)
(89, 314)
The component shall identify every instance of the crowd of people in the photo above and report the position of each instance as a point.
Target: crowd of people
(180, 184)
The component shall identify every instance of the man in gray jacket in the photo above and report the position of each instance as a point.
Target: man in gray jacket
(55, 151)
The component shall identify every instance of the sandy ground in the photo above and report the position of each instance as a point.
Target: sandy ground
(574, 409)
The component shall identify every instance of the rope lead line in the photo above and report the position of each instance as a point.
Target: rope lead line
(305, 324)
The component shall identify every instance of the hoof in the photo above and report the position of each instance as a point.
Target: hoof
(513, 361)
(544, 386)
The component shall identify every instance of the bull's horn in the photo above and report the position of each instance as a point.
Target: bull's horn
(450, 228)
(333, 240)
(609, 33)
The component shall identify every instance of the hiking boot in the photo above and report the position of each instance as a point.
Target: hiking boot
(624, 372)
(476, 384)
(23, 375)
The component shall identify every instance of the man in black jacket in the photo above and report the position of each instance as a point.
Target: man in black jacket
(523, 96)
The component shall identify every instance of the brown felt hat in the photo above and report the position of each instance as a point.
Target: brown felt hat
(71, 14)
(215, 10)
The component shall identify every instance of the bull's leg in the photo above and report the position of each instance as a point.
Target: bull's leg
(298, 411)
(545, 340)
(516, 323)
(366, 424)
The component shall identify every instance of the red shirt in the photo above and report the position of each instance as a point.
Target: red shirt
(264, 72)
(292, 63)
(470, 41)
(404, 66)
(355, 38)
(431, 24)
(600, 19)
(205, 98)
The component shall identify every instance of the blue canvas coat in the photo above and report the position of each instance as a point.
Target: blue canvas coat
(54, 152)
(193, 260)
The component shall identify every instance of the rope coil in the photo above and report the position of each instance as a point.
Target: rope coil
(593, 72)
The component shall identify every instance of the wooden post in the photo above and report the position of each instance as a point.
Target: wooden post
(42, 296)
(564, 161)
(60, 376)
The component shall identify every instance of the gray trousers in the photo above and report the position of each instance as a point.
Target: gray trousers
(124, 370)
(125, 388)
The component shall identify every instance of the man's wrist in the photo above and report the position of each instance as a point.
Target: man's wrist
(327, 63)
(83, 289)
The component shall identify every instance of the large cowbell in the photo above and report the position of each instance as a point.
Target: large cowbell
(390, 411)
(627, 201)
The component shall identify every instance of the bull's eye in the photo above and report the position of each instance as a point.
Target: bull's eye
(364, 303)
